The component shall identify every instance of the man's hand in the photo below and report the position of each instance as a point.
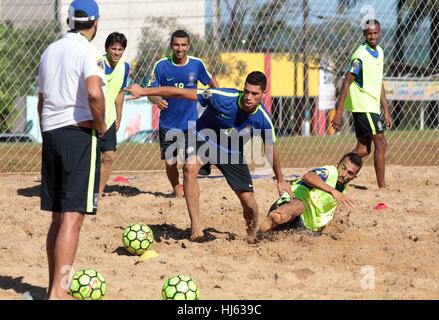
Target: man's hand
(162, 104)
(343, 199)
(336, 122)
(101, 130)
(284, 186)
(135, 90)
(388, 119)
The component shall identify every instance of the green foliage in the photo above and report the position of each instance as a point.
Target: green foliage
(20, 53)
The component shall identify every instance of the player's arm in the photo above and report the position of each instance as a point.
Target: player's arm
(313, 180)
(137, 92)
(274, 159)
(159, 102)
(40, 109)
(40, 96)
(119, 106)
(348, 79)
(387, 116)
(97, 102)
(154, 82)
(156, 100)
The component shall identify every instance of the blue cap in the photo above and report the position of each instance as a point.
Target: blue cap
(90, 7)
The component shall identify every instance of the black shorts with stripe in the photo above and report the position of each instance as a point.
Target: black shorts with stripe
(108, 140)
(233, 167)
(367, 124)
(70, 170)
(174, 140)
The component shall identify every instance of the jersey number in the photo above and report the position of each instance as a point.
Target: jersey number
(179, 85)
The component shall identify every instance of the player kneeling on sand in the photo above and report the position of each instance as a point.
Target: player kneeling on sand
(316, 195)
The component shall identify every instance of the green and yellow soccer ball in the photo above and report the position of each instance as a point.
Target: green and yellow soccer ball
(180, 287)
(137, 238)
(88, 284)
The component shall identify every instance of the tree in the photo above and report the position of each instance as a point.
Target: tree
(267, 26)
(345, 4)
(20, 53)
(235, 25)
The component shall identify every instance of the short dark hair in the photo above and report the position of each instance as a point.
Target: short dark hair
(82, 25)
(180, 34)
(116, 37)
(371, 22)
(257, 78)
(354, 158)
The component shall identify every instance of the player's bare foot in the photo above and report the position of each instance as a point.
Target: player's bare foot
(268, 224)
(196, 235)
(252, 239)
(64, 296)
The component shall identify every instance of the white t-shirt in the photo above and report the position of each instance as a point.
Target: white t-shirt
(64, 66)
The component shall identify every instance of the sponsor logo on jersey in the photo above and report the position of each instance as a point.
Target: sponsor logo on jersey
(191, 77)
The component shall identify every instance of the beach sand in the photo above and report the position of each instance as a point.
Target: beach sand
(363, 254)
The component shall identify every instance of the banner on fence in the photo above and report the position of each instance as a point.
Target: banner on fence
(136, 116)
(412, 90)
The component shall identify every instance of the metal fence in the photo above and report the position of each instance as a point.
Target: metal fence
(303, 46)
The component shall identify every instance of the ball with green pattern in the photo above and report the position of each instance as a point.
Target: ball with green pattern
(88, 284)
(180, 287)
(137, 238)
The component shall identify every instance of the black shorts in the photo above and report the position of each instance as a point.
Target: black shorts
(70, 170)
(108, 140)
(176, 140)
(236, 172)
(367, 124)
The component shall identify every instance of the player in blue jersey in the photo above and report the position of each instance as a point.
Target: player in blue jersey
(231, 118)
(181, 71)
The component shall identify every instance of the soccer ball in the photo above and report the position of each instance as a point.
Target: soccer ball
(180, 287)
(137, 238)
(88, 284)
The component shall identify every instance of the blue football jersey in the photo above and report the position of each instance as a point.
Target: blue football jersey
(224, 120)
(167, 73)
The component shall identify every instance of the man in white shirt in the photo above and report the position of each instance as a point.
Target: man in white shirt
(71, 108)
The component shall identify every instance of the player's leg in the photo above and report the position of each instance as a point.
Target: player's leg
(380, 143)
(282, 214)
(108, 145)
(239, 179)
(174, 178)
(192, 194)
(363, 132)
(169, 147)
(363, 146)
(50, 199)
(376, 125)
(50, 247)
(64, 252)
(108, 159)
(78, 194)
(250, 211)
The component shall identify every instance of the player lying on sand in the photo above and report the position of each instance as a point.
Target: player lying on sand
(315, 196)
